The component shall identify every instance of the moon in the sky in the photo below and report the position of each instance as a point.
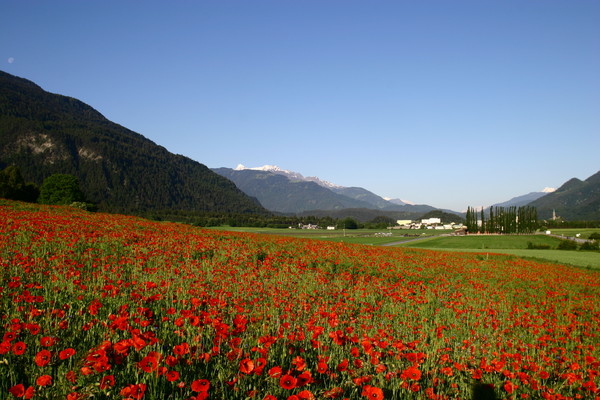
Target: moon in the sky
(11, 60)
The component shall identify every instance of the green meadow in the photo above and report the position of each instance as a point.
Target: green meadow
(511, 244)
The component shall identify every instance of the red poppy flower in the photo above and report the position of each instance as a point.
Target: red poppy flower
(107, 382)
(321, 367)
(246, 366)
(200, 385)
(134, 391)
(287, 382)
(66, 353)
(181, 349)
(306, 395)
(343, 365)
(510, 387)
(19, 348)
(299, 363)
(44, 380)
(172, 376)
(275, 372)
(43, 358)
(17, 390)
(373, 393)
(412, 373)
(304, 379)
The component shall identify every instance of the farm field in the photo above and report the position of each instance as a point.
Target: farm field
(357, 236)
(511, 244)
(115, 307)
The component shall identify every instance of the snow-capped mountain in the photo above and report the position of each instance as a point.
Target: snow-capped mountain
(290, 174)
(283, 190)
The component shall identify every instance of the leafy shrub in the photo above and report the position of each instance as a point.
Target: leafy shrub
(590, 246)
(538, 246)
(595, 236)
(567, 245)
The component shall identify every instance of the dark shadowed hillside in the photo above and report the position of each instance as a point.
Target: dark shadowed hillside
(119, 170)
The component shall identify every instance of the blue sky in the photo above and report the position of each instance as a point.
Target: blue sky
(447, 103)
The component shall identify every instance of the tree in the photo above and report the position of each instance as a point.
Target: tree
(349, 223)
(61, 189)
(12, 186)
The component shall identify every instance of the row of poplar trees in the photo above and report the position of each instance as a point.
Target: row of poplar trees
(502, 220)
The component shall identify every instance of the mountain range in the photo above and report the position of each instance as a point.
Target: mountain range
(122, 171)
(290, 192)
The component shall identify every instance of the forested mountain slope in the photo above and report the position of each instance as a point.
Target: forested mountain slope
(119, 170)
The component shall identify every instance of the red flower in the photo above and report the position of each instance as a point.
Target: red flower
(343, 365)
(372, 392)
(275, 372)
(44, 380)
(17, 390)
(66, 353)
(304, 379)
(306, 395)
(510, 387)
(107, 382)
(412, 373)
(246, 366)
(321, 367)
(134, 391)
(200, 385)
(287, 382)
(19, 348)
(43, 358)
(172, 376)
(181, 349)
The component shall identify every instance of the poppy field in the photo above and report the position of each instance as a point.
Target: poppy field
(100, 306)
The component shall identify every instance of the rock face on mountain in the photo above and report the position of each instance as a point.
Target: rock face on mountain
(119, 170)
(575, 200)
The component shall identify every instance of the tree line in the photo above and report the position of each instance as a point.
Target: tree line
(502, 220)
(64, 189)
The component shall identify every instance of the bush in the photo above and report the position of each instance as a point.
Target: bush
(567, 245)
(538, 246)
(590, 246)
(595, 236)
(60, 189)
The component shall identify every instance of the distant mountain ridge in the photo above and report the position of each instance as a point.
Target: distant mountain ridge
(119, 170)
(524, 199)
(574, 200)
(285, 191)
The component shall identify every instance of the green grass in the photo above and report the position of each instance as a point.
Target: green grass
(585, 233)
(511, 244)
(483, 242)
(355, 236)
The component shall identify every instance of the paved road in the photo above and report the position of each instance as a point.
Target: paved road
(576, 239)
